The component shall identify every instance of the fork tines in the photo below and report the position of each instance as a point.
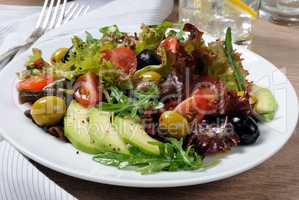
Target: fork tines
(54, 13)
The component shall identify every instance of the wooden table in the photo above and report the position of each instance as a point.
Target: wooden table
(275, 179)
(21, 2)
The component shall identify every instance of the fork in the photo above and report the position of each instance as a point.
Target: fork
(51, 16)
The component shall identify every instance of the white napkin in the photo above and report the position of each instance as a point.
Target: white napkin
(19, 179)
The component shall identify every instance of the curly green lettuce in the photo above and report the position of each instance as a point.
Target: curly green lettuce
(151, 36)
(220, 68)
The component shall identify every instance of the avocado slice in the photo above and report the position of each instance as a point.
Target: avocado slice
(265, 102)
(102, 132)
(134, 134)
(76, 128)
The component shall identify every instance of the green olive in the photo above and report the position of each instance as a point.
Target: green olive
(58, 55)
(48, 110)
(174, 123)
(151, 76)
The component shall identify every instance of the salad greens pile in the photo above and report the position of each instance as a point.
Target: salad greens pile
(173, 157)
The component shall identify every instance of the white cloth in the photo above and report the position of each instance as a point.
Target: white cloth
(19, 179)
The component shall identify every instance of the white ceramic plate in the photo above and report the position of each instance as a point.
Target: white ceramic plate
(62, 157)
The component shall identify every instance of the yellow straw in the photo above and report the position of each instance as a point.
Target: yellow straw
(244, 7)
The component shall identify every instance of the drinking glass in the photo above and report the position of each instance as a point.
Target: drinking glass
(215, 16)
(281, 10)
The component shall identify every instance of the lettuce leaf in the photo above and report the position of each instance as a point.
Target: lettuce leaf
(220, 68)
(109, 31)
(113, 37)
(151, 36)
(84, 57)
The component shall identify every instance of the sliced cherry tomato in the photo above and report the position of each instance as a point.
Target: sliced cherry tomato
(106, 54)
(34, 83)
(123, 58)
(204, 100)
(87, 92)
(171, 43)
(188, 109)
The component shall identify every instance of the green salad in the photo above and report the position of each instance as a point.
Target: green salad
(158, 100)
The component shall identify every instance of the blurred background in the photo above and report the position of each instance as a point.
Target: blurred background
(214, 16)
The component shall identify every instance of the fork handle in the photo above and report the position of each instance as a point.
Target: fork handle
(7, 56)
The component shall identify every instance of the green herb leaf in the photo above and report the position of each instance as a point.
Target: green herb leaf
(172, 158)
(124, 105)
(236, 66)
(110, 158)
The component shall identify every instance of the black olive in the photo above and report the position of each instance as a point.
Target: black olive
(200, 66)
(247, 129)
(147, 57)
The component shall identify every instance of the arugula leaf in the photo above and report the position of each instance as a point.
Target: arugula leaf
(236, 66)
(154, 166)
(113, 159)
(172, 158)
(124, 105)
(118, 95)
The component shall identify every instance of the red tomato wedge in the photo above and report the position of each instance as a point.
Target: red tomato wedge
(203, 101)
(87, 92)
(106, 54)
(34, 83)
(123, 58)
(171, 43)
